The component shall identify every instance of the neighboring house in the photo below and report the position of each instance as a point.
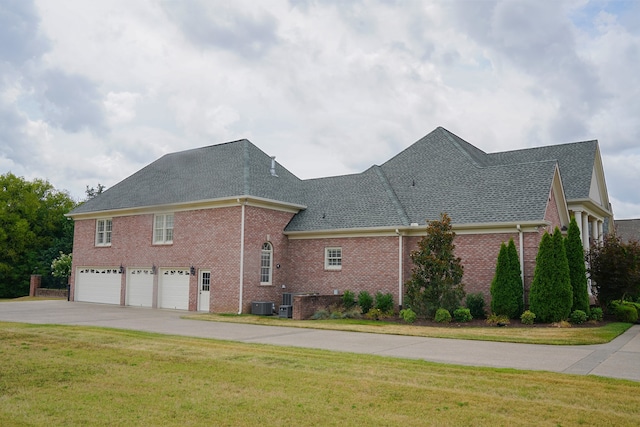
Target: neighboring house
(628, 229)
(215, 228)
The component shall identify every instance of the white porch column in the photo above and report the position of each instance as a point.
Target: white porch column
(578, 216)
(601, 231)
(594, 230)
(585, 231)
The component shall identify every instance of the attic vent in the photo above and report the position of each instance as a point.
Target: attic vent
(273, 166)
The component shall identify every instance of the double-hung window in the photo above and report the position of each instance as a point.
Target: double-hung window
(333, 258)
(103, 232)
(266, 264)
(163, 229)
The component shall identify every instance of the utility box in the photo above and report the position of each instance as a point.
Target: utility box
(262, 308)
(286, 311)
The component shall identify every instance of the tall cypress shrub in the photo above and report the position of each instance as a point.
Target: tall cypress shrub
(506, 287)
(551, 295)
(577, 269)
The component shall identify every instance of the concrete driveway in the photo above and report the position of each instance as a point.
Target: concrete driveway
(617, 359)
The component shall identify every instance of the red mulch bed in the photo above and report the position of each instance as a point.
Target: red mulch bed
(514, 323)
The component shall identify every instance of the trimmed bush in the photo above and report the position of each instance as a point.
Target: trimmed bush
(408, 315)
(348, 300)
(497, 320)
(365, 301)
(528, 317)
(375, 314)
(551, 295)
(384, 302)
(596, 314)
(506, 287)
(443, 316)
(577, 269)
(578, 317)
(462, 315)
(475, 304)
(626, 313)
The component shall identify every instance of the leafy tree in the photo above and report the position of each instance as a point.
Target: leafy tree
(33, 230)
(92, 192)
(614, 268)
(436, 280)
(577, 269)
(551, 296)
(506, 287)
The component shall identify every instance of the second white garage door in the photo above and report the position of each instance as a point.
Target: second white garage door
(173, 289)
(98, 285)
(140, 287)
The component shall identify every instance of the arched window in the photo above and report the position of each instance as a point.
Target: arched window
(266, 264)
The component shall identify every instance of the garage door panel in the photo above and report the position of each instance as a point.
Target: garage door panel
(140, 287)
(101, 285)
(173, 289)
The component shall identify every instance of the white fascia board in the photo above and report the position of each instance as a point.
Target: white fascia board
(589, 206)
(190, 206)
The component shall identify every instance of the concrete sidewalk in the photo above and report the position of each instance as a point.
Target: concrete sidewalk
(617, 359)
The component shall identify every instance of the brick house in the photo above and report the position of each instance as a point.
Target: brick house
(215, 228)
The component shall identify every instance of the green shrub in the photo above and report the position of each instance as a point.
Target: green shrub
(408, 315)
(462, 315)
(384, 302)
(626, 313)
(506, 286)
(375, 314)
(321, 314)
(475, 304)
(577, 269)
(528, 317)
(353, 313)
(596, 314)
(443, 316)
(497, 320)
(578, 317)
(365, 301)
(348, 300)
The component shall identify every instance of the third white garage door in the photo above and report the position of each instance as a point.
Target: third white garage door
(140, 287)
(173, 289)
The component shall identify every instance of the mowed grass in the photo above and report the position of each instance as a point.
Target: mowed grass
(69, 375)
(538, 335)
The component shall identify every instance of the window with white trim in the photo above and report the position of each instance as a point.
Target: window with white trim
(103, 232)
(333, 258)
(163, 229)
(266, 264)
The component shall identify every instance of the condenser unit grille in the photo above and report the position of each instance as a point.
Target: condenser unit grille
(262, 308)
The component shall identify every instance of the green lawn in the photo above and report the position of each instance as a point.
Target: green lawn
(64, 375)
(511, 333)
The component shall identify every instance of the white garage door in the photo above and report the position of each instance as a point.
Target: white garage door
(173, 289)
(98, 285)
(139, 287)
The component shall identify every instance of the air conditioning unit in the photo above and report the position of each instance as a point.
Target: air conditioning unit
(262, 308)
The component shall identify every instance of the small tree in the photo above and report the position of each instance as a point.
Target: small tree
(614, 268)
(436, 280)
(577, 269)
(61, 266)
(551, 296)
(506, 287)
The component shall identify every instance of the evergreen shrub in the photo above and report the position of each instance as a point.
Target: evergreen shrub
(506, 286)
(596, 314)
(408, 315)
(626, 313)
(384, 302)
(462, 315)
(527, 318)
(365, 301)
(443, 316)
(578, 317)
(348, 300)
(475, 304)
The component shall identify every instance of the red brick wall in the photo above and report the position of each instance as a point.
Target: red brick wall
(368, 263)
(552, 215)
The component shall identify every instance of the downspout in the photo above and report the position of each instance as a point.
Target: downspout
(400, 290)
(242, 204)
(521, 244)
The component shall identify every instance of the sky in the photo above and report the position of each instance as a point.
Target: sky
(92, 91)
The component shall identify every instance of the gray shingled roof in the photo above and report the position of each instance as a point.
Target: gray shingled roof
(628, 229)
(439, 173)
(226, 170)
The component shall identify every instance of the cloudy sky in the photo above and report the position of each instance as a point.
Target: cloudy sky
(91, 91)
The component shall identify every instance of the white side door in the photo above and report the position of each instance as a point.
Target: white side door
(204, 290)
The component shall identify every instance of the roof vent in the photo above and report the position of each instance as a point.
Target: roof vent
(273, 166)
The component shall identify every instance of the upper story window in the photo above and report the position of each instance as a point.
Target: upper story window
(266, 264)
(333, 258)
(103, 232)
(163, 229)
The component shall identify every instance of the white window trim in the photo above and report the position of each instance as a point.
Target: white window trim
(106, 234)
(326, 258)
(262, 252)
(164, 240)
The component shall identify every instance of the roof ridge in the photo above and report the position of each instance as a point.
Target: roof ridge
(542, 147)
(392, 195)
(454, 139)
